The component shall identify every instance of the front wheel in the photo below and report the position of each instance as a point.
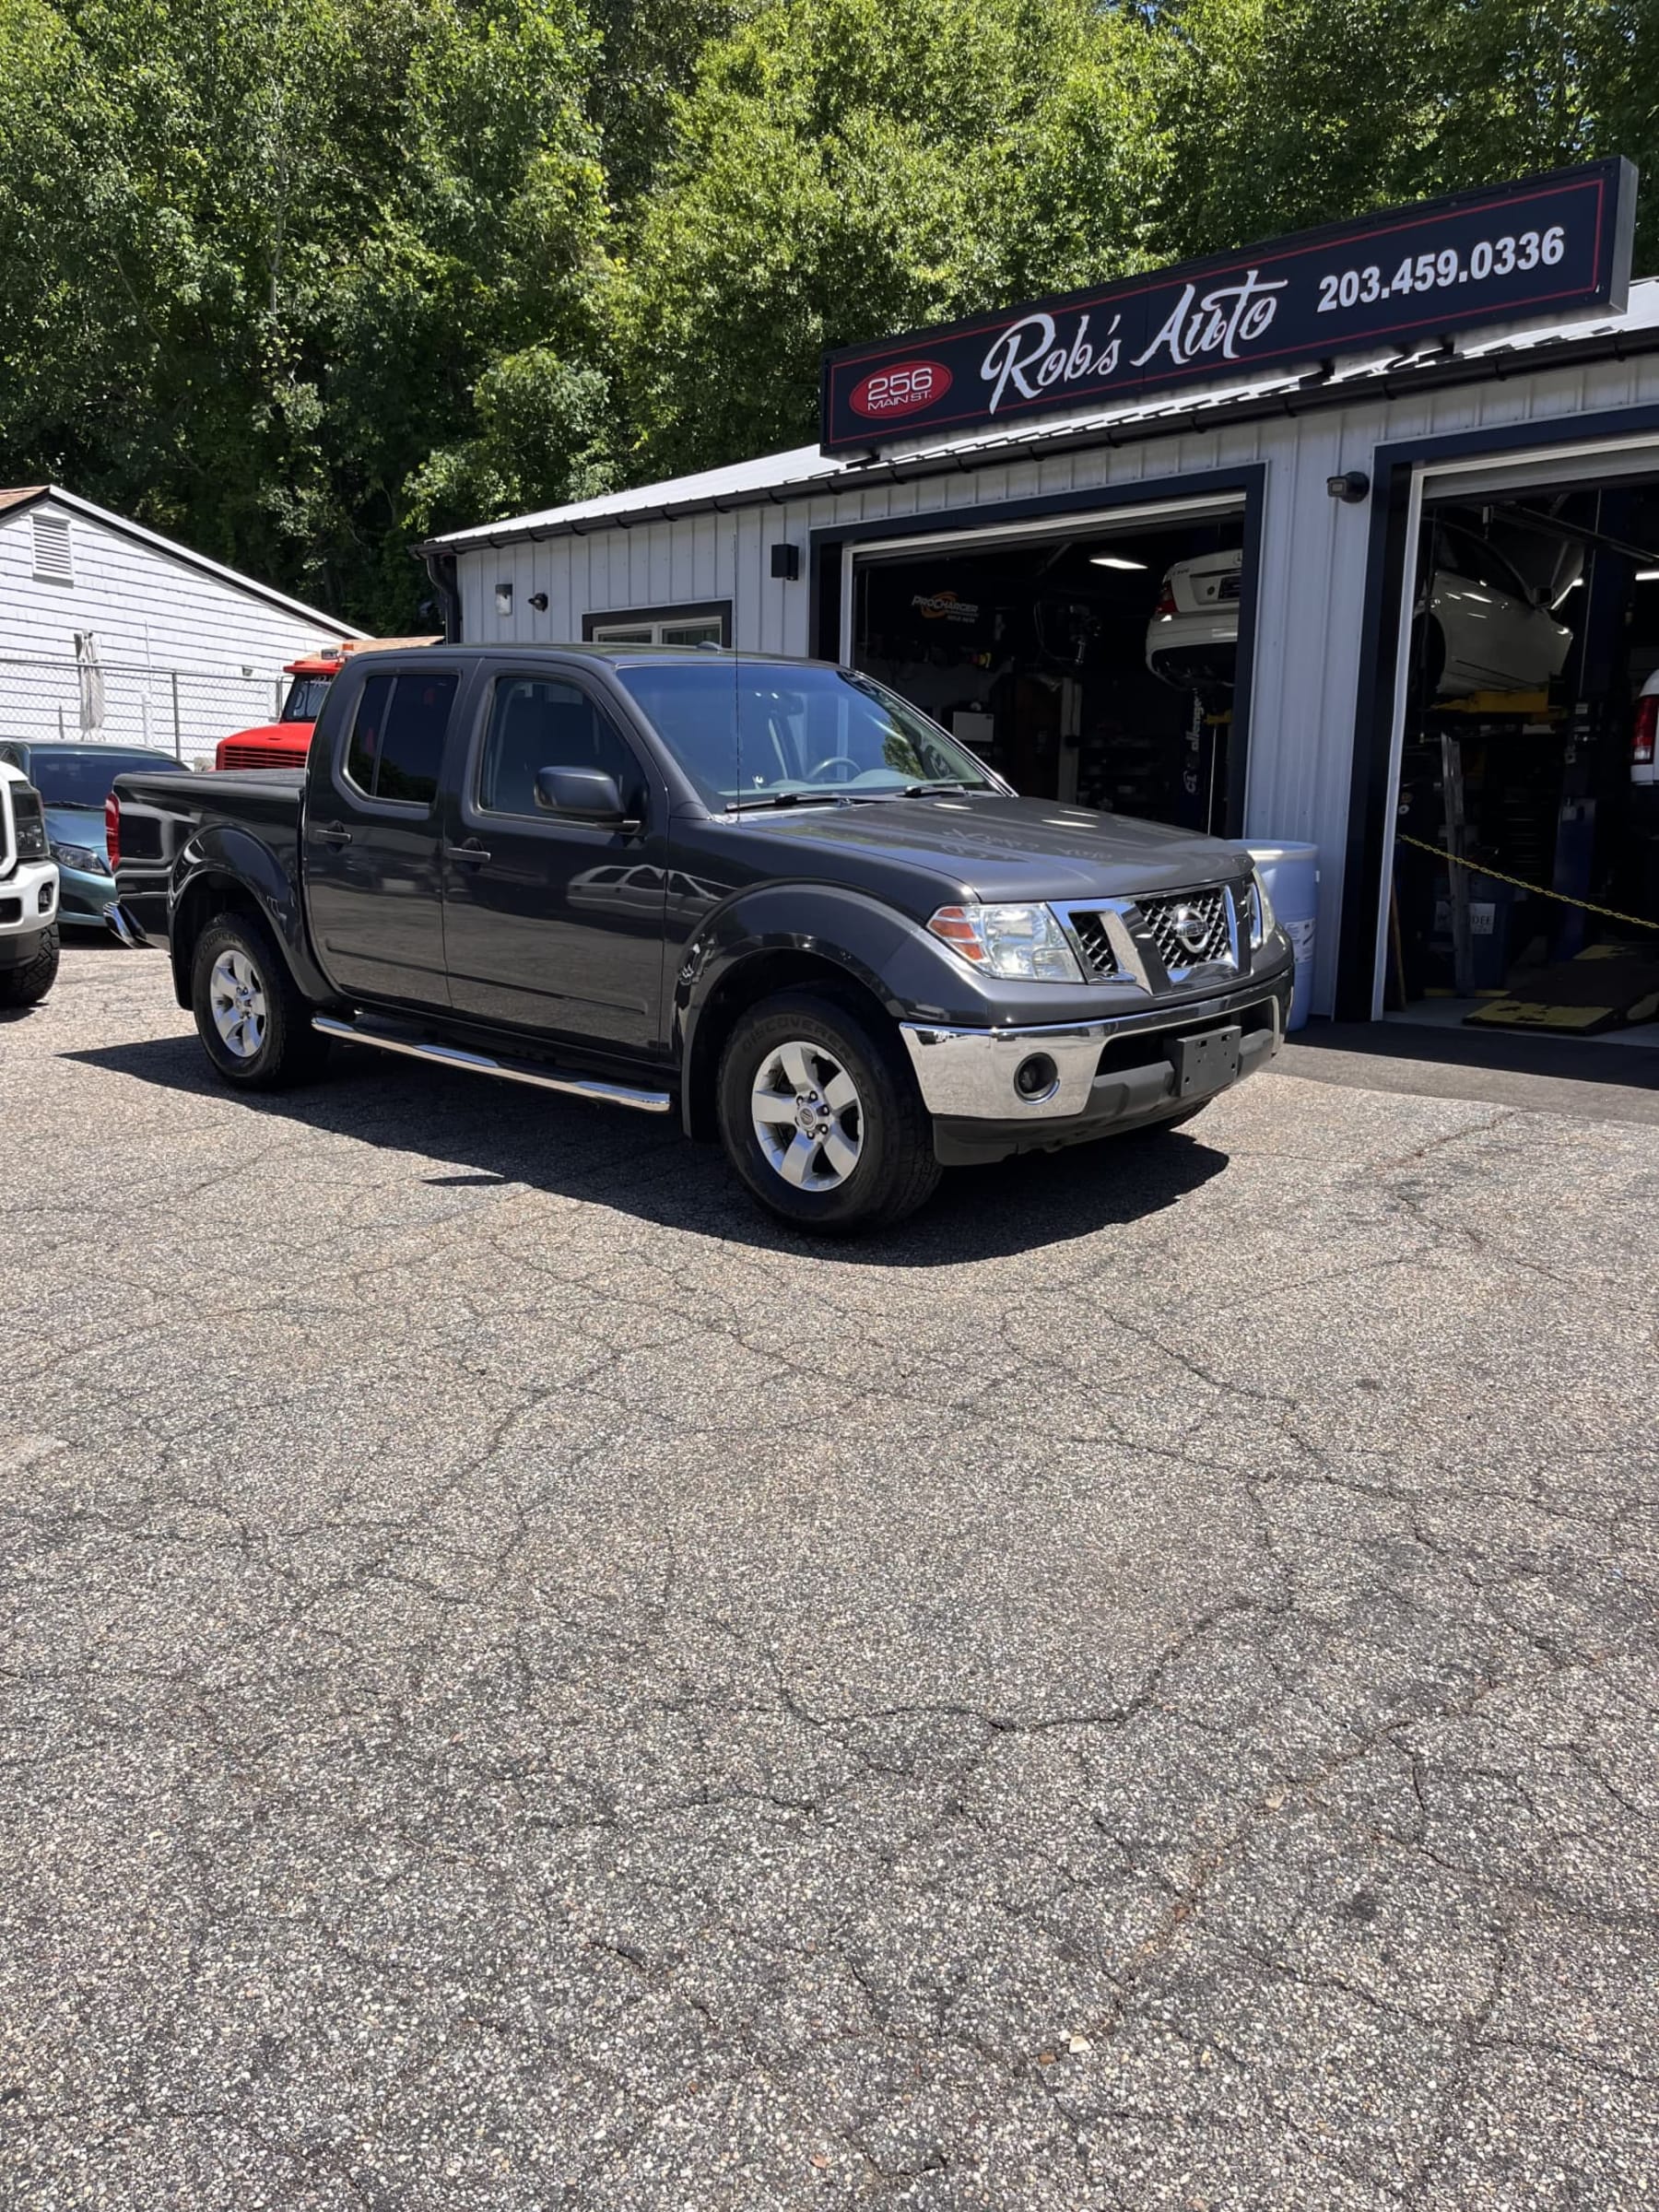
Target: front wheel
(27, 984)
(821, 1117)
(250, 1015)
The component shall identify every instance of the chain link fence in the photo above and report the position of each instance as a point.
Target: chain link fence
(184, 712)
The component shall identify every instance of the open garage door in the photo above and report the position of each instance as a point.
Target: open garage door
(1524, 884)
(1095, 661)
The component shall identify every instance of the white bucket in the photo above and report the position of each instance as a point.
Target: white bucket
(1291, 874)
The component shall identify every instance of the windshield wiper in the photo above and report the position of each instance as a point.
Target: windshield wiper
(913, 790)
(785, 798)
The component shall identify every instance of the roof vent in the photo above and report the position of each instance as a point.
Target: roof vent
(53, 561)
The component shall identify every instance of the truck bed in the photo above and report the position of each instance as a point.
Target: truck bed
(159, 814)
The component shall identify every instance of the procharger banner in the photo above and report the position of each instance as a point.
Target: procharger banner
(1549, 248)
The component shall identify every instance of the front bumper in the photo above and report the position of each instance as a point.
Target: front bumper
(83, 896)
(1108, 1074)
(29, 904)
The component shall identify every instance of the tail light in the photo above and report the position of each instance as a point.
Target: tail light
(1166, 604)
(1643, 729)
(113, 831)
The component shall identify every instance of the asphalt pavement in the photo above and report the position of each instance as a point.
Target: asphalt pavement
(522, 1685)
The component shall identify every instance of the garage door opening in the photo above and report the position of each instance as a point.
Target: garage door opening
(1099, 666)
(1524, 891)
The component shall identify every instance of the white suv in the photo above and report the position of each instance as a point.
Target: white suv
(29, 894)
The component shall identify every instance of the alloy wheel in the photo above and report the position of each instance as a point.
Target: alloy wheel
(236, 996)
(807, 1116)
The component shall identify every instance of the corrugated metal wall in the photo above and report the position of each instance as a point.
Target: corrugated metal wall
(1310, 590)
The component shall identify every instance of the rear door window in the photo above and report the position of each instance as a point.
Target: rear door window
(397, 733)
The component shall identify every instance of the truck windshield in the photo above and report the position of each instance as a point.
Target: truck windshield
(304, 702)
(758, 733)
(84, 779)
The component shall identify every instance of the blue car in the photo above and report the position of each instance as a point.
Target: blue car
(73, 780)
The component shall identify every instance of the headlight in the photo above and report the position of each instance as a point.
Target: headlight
(1262, 921)
(83, 857)
(1016, 941)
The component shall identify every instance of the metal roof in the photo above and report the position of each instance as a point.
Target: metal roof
(806, 471)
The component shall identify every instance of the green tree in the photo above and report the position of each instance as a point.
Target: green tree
(282, 276)
(1287, 112)
(844, 168)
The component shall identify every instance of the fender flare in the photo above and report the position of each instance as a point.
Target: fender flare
(226, 849)
(870, 943)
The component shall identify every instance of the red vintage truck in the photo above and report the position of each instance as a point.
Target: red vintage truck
(286, 742)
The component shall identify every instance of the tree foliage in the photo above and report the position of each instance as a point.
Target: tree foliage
(299, 280)
(844, 167)
(284, 277)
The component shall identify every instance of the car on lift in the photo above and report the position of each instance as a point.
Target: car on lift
(74, 779)
(768, 893)
(1480, 626)
(28, 893)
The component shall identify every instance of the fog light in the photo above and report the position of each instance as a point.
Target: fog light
(1037, 1077)
(44, 901)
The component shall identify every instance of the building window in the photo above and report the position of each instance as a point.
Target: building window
(709, 623)
(53, 562)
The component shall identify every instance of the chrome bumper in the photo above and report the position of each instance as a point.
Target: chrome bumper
(116, 922)
(969, 1074)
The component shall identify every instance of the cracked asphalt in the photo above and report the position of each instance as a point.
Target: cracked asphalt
(521, 1686)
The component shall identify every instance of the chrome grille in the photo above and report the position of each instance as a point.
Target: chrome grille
(1210, 944)
(1094, 943)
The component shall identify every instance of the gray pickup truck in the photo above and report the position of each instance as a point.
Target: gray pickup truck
(767, 895)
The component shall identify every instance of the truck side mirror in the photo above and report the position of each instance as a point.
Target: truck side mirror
(582, 795)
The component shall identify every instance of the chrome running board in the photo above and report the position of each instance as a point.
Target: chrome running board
(481, 1064)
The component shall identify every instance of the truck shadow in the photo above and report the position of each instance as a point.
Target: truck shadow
(465, 1132)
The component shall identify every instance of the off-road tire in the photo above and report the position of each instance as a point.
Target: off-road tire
(28, 985)
(896, 1171)
(289, 1050)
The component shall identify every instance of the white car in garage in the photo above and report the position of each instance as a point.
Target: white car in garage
(1487, 629)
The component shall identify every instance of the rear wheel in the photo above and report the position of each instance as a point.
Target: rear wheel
(821, 1117)
(249, 1015)
(27, 986)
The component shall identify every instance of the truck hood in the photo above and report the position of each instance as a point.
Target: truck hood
(992, 848)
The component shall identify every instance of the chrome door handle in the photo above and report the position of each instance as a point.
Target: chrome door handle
(470, 850)
(334, 833)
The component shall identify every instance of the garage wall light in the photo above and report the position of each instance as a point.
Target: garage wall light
(504, 598)
(1647, 575)
(538, 600)
(787, 564)
(1113, 561)
(1350, 489)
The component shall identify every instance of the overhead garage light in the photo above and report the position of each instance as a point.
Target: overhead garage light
(1647, 575)
(1113, 561)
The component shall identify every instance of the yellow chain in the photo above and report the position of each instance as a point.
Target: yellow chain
(1537, 890)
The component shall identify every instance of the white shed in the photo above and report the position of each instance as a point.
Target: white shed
(109, 630)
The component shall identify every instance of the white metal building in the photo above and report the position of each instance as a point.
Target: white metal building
(1324, 486)
(108, 630)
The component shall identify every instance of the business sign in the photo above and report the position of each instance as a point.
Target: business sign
(1549, 249)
